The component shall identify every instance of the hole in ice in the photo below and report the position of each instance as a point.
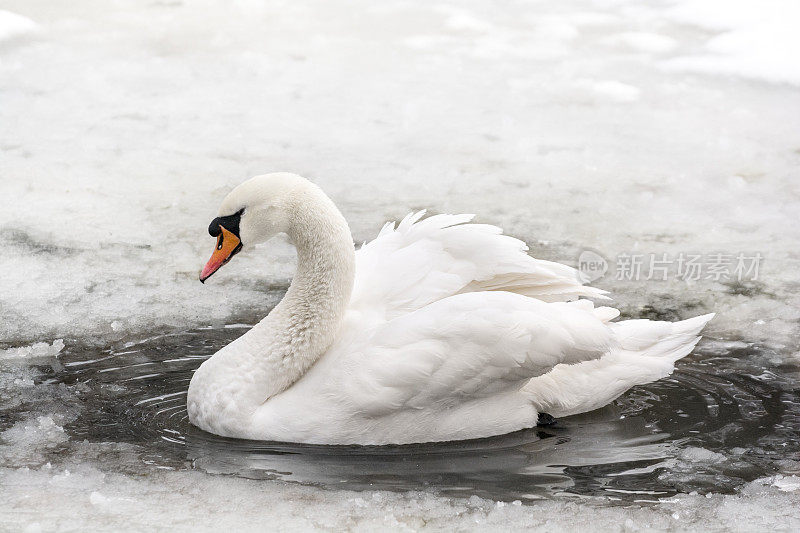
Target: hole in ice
(719, 421)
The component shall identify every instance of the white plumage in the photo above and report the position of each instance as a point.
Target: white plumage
(439, 329)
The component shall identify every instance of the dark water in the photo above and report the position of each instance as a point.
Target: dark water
(721, 399)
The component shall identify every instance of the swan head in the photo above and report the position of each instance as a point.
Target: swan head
(252, 213)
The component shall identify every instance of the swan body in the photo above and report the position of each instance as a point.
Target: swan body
(439, 329)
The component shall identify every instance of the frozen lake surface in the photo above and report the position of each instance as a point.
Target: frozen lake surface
(621, 128)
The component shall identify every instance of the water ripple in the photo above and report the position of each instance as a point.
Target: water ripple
(649, 443)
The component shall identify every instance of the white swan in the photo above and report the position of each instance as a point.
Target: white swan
(437, 330)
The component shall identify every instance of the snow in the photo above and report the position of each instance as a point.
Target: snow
(642, 41)
(41, 432)
(530, 119)
(36, 350)
(87, 498)
(24, 441)
(13, 26)
(757, 40)
(613, 127)
(616, 91)
(785, 483)
(700, 455)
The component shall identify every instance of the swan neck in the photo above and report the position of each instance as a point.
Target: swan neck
(279, 350)
(322, 284)
(306, 322)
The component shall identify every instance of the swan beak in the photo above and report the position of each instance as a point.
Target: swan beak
(228, 245)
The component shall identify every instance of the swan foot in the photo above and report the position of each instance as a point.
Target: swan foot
(546, 420)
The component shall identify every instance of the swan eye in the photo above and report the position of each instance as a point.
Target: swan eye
(230, 222)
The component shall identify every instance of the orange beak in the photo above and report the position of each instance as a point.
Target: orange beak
(228, 245)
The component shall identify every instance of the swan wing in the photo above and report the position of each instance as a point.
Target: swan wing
(424, 260)
(467, 347)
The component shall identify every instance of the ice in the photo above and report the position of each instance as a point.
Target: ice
(752, 39)
(34, 433)
(13, 26)
(616, 91)
(36, 350)
(25, 441)
(615, 127)
(86, 498)
(701, 455)
(643, 42)
(43, 431)
(783, 483)
(541, 120)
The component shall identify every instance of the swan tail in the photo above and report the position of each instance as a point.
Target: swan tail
(647, 352)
